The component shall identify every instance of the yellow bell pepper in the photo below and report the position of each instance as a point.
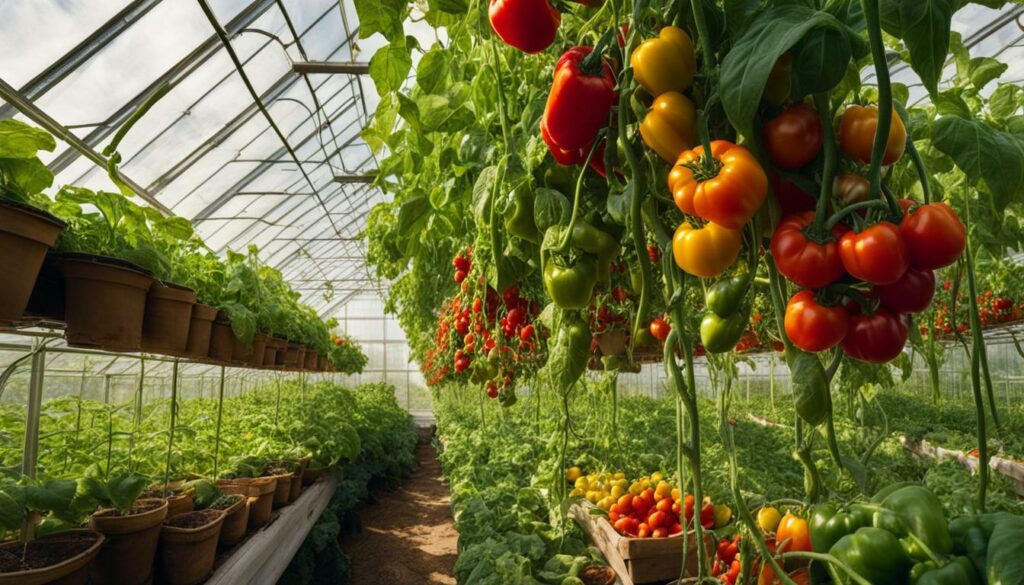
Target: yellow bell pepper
(665, 63)
(671, 126)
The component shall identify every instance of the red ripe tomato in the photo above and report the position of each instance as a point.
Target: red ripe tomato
(626, 525)
(688, 507)
(653, 254)
(910, 294)
(805, 262)
(641, 506)
(876, 338)
(526, 334)
(934, 235)
(460, 262)
(707, 515)
(877, 255)
(660, 532)
(492, 390)
(660, 329)
(528, 25)
(460, 275)
(658, 519)
(812, 326)
(794, 137)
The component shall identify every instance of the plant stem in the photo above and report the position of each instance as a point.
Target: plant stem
(839, 215)
(829, 170)
(871, 15)
(174, 422)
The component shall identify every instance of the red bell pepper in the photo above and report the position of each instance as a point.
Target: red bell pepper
(580, 101)
(528, 25)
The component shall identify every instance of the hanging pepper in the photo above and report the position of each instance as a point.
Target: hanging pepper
(828, 524)
(570, 283)
(810, 386)
(528, 25)
(570, 351)
(521, 222)
(875, 555)
(917, 511)
(959, 571)
(670, 127)
(580, 101)
(724, 297)
(570, 286)
(726, 188)
(721, 334)
(665, 63)
(994, 543)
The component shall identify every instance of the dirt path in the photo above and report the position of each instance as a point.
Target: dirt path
(407, 536)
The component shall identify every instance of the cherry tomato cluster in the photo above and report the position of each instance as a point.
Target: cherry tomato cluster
(657, 513)
(462, 263)
(727, 563)
(992, 310)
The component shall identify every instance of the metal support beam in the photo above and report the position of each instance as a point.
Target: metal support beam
(82, 52)
(349, 68)
(25, 106)
(350, 179)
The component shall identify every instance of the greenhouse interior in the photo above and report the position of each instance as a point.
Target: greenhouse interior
(378, 292)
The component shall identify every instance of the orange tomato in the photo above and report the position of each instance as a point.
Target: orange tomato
(794, 532)
(857, 135)
(705, 251)
(731, 196)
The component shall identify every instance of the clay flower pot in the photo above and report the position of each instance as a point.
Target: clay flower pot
(311, 476)
(612, 342)
(26, 234)
(282, 489)
(178, 505)
(126, 557)
(76, 549)
(292, 356)
(105, 301)
(269, 354)
(311, 360)
(199, 330)
(243, 354)
(261, 497)
(236, 520)
(47, 300)
(188, 547)
(168, 316)
(282, 352)
(222, 340)
(296, 487)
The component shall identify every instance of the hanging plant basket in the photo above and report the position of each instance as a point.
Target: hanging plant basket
(26, 234)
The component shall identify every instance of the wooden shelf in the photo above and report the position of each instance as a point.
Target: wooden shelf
(263, 557)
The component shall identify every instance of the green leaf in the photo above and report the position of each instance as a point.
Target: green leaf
(19, 140)
(389, 67)
(820, 60)
(432, 71)
(380, 16)
(925, 31)
(412, 216)
(26, 176)
(949, 103)
(550, 208)
(1005, 100)
(984, 154)
(984, 70)
(434, 112)
(745, 69)
(11, 513)
(54, 495)
(124, 489)
(618, 204)
(889, 13)
(483, 190)
(175, 227)
(450, 6)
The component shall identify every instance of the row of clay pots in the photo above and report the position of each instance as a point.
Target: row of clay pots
(114, 305)
(165, 534)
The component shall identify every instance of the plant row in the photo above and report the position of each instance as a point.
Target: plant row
(120, 276)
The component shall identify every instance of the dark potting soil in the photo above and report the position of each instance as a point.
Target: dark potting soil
(45, 552)
(192, 519)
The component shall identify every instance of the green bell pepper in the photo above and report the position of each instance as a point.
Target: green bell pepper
(589, 239)
(827, 525)
(570, 353)
(995, 544)
(917, 511)
(959, 571)
(810, 386)
(875, 555)
(520, 222)
(721, 334)
(725, 296)
(571, 287)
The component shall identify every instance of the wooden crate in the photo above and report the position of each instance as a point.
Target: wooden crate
(639, 560)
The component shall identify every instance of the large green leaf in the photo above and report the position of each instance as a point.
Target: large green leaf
(432, 70)
(380, 16)
(26, 176)
(925, 31)
(820, 60)
(11, 512)
(389, 67)
(19, 140)
(550, 208)
(984, 154)
(746, 68)
(53, 495)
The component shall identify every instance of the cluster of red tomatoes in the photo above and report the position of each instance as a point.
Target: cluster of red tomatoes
(656, 513)
(859, 282)
(727, 564)
(992, 310)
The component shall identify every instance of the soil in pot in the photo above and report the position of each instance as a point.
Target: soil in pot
(222, 340)
(168, 316)
(199, 330)
(188, 547)
(105, 302)
(236, 520)
(126, 558)
(26, 234)
(58, 559)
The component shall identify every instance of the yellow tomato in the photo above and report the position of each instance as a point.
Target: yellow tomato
(665, 63)
(657, 476)
(706, 251)
(618, 491)
(723, 514)
(577, 493)
(768, 519)
(593, 496)
(619, 475)
(670, 127)
(573, 473)
(676, 493)
(663, 490)
(581, 482)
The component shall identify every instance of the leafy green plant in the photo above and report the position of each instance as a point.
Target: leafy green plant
(23, 177)
(120, 491)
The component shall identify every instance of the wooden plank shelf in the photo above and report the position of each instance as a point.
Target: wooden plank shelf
(262, 558)
(1011, 469)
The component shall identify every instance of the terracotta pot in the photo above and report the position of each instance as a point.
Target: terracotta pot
(178, 505)
(106, 301)
(612, 342)
(73, 570)
(282, 489)
(222, 340)
(26, 234)
(292, 355)
(168, 316)
(126, 558)
(236, 519)
(47, 300)
(269, 354)
(199, 330)
(243, 354)
(188, 547)
(311, 476)
(261, 497)
(311, 360)
(296, 487)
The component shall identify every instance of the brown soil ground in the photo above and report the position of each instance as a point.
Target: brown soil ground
(407, 536)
